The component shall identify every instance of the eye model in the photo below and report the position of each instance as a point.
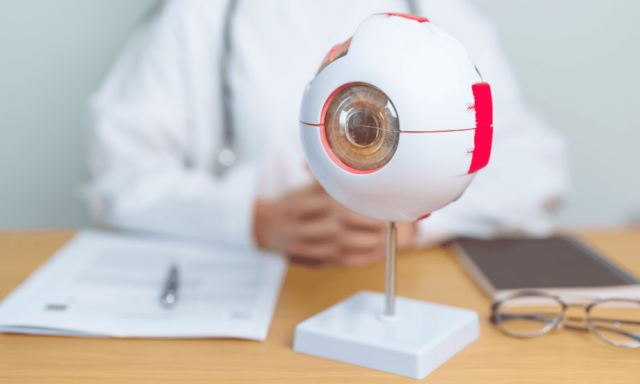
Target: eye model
(397, 136)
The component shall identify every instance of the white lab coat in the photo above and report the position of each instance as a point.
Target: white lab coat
(156, 121)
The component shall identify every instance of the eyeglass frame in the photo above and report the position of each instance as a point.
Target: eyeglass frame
(560, 319)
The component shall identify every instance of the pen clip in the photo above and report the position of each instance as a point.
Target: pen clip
(169, 295)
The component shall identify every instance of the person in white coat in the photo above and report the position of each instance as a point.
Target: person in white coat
(159, 138)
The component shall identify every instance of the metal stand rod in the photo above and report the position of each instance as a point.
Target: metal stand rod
(390, 286)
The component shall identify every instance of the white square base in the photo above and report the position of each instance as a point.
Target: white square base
(418, 340)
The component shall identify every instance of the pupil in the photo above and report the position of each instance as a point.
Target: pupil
(362, 128)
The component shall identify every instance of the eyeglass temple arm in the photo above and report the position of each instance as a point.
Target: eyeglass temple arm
(618, 331)
(621, 332)
(540, 318)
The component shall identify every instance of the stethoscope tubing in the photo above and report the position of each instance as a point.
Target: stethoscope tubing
(227, 152)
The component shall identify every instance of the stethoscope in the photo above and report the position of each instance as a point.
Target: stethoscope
(226, 154)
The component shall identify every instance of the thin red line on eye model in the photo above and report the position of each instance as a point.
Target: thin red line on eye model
(419, 19)
(446, 130)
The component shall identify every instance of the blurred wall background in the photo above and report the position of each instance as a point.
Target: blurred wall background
(578, 64)
(577, 61)
(53, 54)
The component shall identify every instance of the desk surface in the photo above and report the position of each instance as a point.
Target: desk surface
(432, 275)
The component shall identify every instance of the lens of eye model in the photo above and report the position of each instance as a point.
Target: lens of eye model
(361, 127)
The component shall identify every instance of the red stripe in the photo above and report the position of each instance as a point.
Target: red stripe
(330, 55)
(419, 19)
(483, 138)
(423, 217)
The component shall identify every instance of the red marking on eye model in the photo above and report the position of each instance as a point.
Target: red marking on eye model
(332, 51)
(471, 107)
(484, 126)
(423, 217)
(336, 51)
(325, 143)
(419, 19)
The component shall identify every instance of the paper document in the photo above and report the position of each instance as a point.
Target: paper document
(104, 284)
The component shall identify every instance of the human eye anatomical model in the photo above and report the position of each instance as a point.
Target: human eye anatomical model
(394, 126)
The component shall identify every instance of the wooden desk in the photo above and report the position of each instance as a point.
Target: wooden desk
(432, 275)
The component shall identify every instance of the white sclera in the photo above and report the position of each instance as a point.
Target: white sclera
(427, 172)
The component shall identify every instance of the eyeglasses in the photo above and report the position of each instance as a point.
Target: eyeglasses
(531, 313)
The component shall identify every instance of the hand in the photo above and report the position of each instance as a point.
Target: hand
(317, 232)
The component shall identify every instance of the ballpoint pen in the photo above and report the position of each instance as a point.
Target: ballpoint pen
(169, 295)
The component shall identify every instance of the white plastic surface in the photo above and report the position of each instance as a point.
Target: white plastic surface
(427, 172)
(428, 77)
(421, 338)
(424, 71)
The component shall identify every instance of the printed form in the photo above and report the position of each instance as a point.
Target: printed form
(109, 285)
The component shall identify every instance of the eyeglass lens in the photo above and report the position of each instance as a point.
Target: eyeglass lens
(528, 315)
(617, 321)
